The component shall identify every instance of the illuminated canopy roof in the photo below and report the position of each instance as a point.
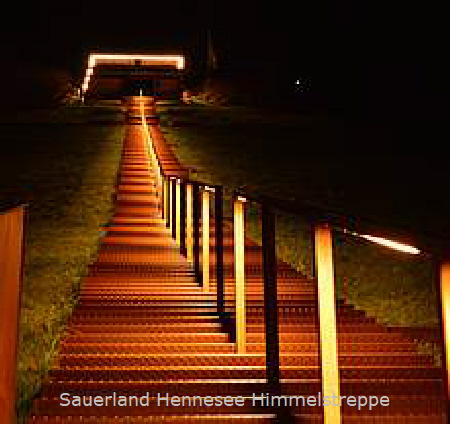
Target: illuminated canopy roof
(95, 59)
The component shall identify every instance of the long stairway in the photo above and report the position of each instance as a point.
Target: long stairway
(143, 326)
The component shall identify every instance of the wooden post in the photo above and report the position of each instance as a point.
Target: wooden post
(205, 238)
(239, 273)
(270, 300)
(196, 229)
(183, 218)
(167, 201)
(189, 223)
(160, 190)
(327, 319)
(11, 265)
(163, 198)
(220, 281)
(177, 183)
(173, 207)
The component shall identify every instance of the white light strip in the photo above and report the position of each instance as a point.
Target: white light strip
(388, 243)
(96, 56)
(93, 58)
(392, 244)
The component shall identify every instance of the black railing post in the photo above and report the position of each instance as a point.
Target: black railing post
(173, 220)
(196, 232)
(220, 283)
(270, 300)
(183, 218)
(312, 239)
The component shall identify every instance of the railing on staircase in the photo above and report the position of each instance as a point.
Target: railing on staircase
(186, 208)
(12, 217)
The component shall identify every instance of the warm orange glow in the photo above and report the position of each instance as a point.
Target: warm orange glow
(171, 181)
(205, 239)
(189, 223)
(239, 275)
(96, 58)
(327, 320)
(445, 305)
(150, 147)
(178, 211)
(166, 188)
(11, 237)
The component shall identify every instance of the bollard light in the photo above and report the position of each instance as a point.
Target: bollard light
(189, 223)
(239, 273)
(444, 276)
(205, 239)
(327, 319)
(178, 211)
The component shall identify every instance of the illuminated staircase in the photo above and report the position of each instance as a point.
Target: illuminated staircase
(144, 326)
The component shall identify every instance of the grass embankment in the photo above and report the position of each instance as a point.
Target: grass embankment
(285, 156)
(65, 167)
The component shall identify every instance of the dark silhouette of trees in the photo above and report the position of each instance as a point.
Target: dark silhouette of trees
(33, 86)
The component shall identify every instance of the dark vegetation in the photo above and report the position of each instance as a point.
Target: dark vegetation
(64, 166)
(31, 86)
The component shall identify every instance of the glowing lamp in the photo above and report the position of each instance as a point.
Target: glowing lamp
(392, 244)
(96, 58)
(406, 248)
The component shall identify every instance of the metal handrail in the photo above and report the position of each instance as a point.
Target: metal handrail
(429, 243)
(323, 222)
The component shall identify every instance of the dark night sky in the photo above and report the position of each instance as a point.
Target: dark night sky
(248, 33)
(380, 60)
(360, 52)
(317, 31)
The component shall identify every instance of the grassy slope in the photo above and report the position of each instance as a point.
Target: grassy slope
(239, 146)
(67, 173)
